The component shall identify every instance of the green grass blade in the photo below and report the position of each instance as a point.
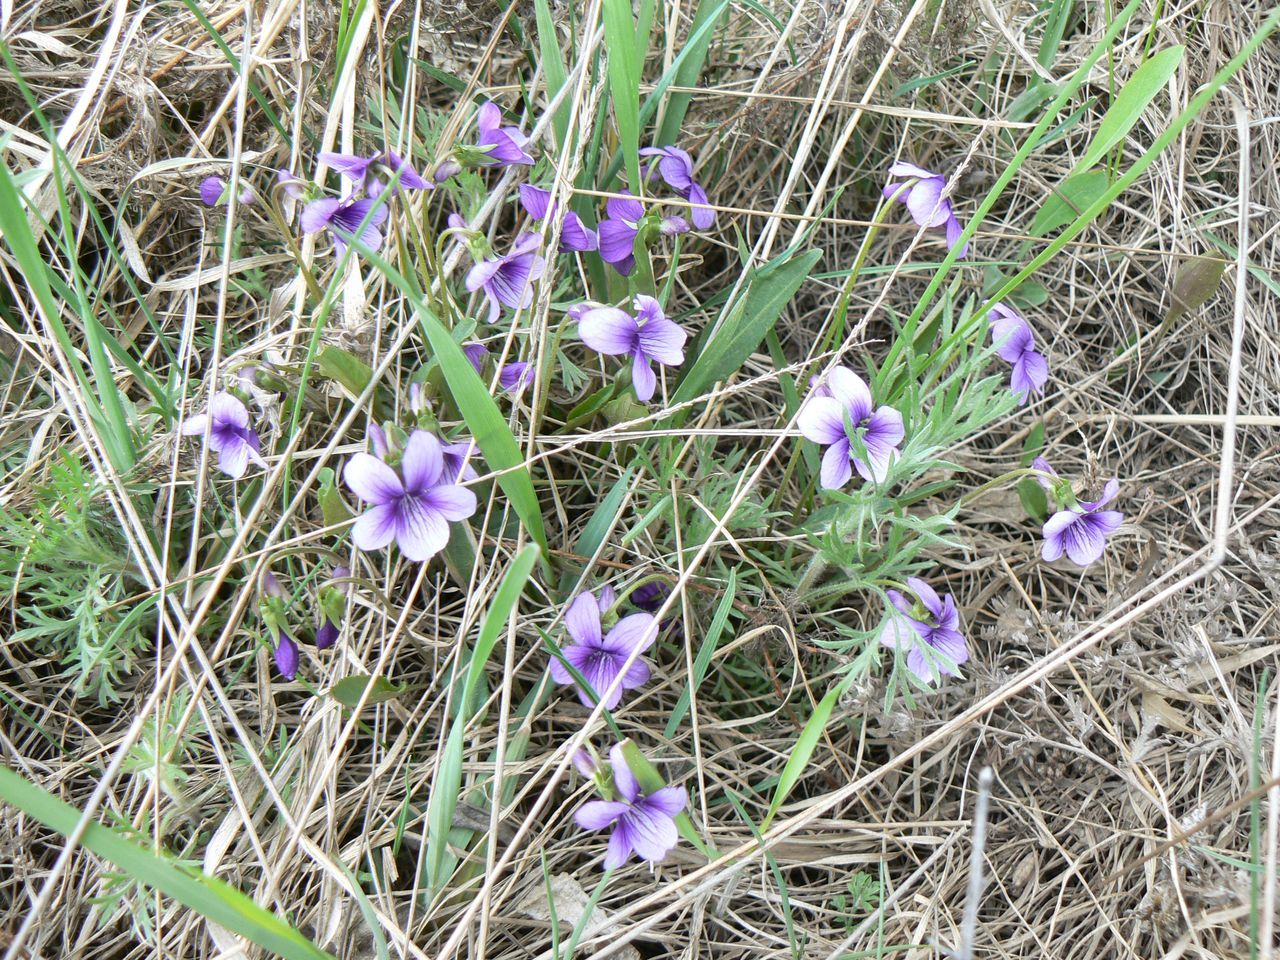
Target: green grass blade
(488, 428)
(688, 68)
(743, 330)
(446, 785)
(1148, 80)
(705, 652)
(803, 749)
(553, 69)
(626, 57)
(210, 897)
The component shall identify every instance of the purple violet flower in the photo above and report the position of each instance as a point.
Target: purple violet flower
(846, 413)
(676, 169)
(508, 280)
(343, 219)
(925, 202)
(230, 436)
(332, 599)
(646, 337)
(575, 237)
(374, 174)
(1015, 344)
(932, 622)
(506, 144)
(475, 354)
(618, 232)
(214, 192)
(1081, 531)
(642, 824)
(514, 377)
(599, 657)
(412, 507)
(286, 655)
(457, 462)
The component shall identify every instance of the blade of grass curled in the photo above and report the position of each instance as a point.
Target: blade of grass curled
(210, 897)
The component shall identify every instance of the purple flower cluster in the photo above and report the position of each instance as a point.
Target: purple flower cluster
(922, 192)
(599, 657)
(1015, 344)
(230, 436)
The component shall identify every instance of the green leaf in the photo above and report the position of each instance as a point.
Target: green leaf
(488, 427)
(210, 897)
(803, 749)
(1195, 282)
(500, 610)
(688, 68)
(553, 69)
(1148, 80)
(1033, 499)
(349, 690)
(354, 374)
(767, 295)
(626, 57)
(1076, 193)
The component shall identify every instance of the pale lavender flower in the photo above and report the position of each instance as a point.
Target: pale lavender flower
(1015, 344)
(618, 232)
(214, 193)
(230, 436)
(343, 219)
(1081, 531)
(446, 169)
(373, 174)
(378, 440)
(676, 168)
(412, 507)
(505, 145)
(599, 657)
(932, 622)
(648, 336)
(575, 236)
(673, 226)
(848, 412)
(1043, 465)
(584, 761)
(508, 280)
(606, 598)
(925, 202)
(642, 824)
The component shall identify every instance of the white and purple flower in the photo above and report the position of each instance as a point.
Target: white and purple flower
(924, 200)
(835, 420)
(933, 624)
(1081, 531)
(508, 280)
(412, 507)
(345, 219)
(675, 166)
(599, 657)
(643, 824)
(575, 236)
(1015, 344)
(230, 436)
(647, 337)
